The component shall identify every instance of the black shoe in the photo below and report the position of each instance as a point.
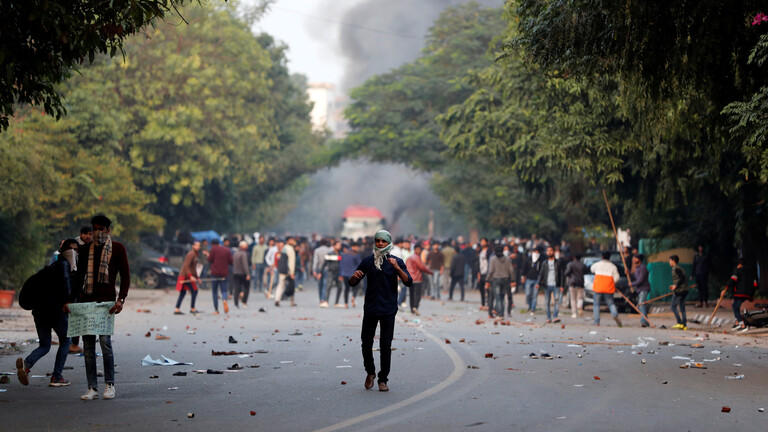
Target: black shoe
(232, 340)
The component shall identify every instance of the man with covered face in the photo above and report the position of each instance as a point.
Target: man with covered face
(100, 263)
(383, 271)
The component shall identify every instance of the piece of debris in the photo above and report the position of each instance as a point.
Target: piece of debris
(488, 355)
(235, 366)
(149, 334)
(737, 377)
(761, 410)
(533, 356)
(180, 373)
(5, 380)
(162, 337)
(164, 361)
(253, 413)
(343, 383)
(214, 372)
(447, 341)
(172, 388)
(597, 378)
(462, 340)
(190, 415)
(153, 376)
(726, 409)
(473, 367)
(232, 340)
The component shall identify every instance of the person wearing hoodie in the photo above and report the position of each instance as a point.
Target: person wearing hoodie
(50, 314)
(530, 273)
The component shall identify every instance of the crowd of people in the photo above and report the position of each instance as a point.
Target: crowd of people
(393, 275)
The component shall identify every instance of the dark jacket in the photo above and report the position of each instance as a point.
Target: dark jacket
(531, 269)
(332, 264)
(457, 265)
(574, 273)
(743, 283)
(544, 273)
(679, 280)
(118, 265)
(700, 265)
(470, 255)
(220, 258)
(381, 294)
(641, 282)
(60, 292)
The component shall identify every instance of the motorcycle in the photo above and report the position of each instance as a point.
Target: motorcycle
(757, 317)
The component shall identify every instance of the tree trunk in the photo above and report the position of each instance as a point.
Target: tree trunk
(754, 241)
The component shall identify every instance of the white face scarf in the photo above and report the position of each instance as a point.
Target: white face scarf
(380, 253)
(71, 256)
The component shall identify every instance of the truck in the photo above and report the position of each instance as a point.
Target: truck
(359, 221)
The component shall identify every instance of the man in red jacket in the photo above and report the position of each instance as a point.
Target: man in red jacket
(101, 262)
(220, 258)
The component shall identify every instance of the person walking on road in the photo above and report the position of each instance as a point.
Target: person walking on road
(50, 314)
(416, 268)
(286, 270)
(103, 260)
(574, 273)
(680, 289)
(501, 275)
(383, 271)
(604, 285)
(240, 275)
(258, 253)
(220, 258)
(551, 277)
(642, 286)
(456, 270)
(187, 280)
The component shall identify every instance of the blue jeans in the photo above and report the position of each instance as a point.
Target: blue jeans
(321, 287)
(258, 277)
(434, 287)
(45, 321)
(643, 296)
(89, 349)
(531, 293)
(499, 287)
(608, 299)
(737, 301)
(402, 294)
(215, 287)
(678, 303)
(550, 292)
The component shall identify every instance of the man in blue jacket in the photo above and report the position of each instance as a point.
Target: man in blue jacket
(383, 271)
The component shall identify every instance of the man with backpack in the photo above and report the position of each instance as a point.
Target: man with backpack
(47, 299)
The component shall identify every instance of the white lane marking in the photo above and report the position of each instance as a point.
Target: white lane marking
(458, 370)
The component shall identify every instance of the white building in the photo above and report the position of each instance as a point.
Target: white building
(328, 109)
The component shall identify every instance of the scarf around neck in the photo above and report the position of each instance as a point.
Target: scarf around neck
(100, 238)
(380, 253)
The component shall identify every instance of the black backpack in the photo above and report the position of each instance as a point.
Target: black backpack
(37, 287)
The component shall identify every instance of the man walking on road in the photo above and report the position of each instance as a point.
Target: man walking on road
(416, 268)
(574, 273)
(642, 286)
(220, 258)
(604, 285)
(286, 274)
(258, 253)
(103, 260)
(383, 271)
(680, 288)
(240, 275)
(187, 280)
(744, 285)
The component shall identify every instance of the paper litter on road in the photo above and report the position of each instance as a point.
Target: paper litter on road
(149, 361)
(737, 377)
(715, 352)
(286, 362)
(593, 332)
(642, 342)
(682, 358)
(574, 346)
(343, 367)
(244, 355)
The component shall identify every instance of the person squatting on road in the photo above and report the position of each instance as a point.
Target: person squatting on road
(680, 288)
(383, 271)
(102, 261)
(187, 280)
(604, 285)
(50, 313)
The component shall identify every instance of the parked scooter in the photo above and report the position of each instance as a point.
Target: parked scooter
(757, 317)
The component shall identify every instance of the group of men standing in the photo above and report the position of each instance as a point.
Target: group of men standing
(85, 270)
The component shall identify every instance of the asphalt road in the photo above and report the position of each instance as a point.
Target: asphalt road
(452, 370)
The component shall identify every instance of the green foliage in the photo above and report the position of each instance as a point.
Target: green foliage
(43, 40)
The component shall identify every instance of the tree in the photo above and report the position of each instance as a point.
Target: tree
(679, 64)
(43, 40)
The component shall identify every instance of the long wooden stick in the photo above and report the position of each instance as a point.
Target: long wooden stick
(722, 295)
(202, 280)
(623, 261)
(656, 298)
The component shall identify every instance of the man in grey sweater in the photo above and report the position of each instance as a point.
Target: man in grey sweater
(501, 273)
(241, 275)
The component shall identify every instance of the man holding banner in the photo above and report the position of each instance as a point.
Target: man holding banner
(102, 261)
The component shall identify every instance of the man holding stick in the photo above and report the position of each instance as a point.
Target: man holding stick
(743, 287)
